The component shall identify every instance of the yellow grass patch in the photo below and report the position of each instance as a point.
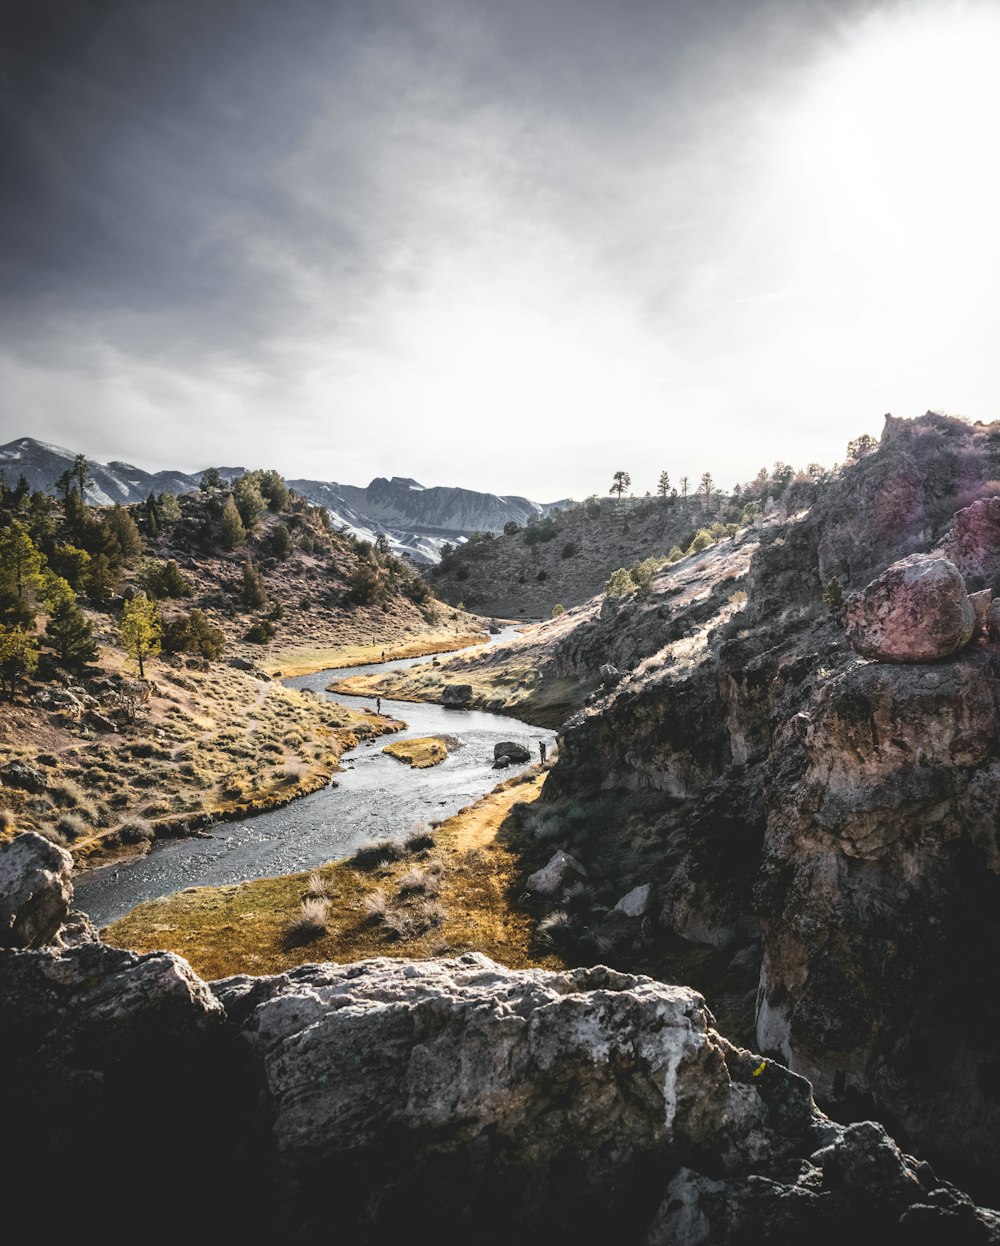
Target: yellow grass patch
(457, 896)
(306, 661)
(425, 751)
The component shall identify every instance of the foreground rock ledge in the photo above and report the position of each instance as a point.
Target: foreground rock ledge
(448, 1097)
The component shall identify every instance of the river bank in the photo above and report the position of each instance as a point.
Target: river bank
(373, 796)
(445, 893)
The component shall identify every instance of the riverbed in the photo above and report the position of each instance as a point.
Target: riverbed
(374, 796)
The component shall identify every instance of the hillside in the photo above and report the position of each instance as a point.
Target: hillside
(565, 558)
(103, 757)
(416, 520)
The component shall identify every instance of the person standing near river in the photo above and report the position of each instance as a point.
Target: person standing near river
(378, 705)
(541, 750)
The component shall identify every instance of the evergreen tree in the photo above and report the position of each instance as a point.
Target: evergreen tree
(21, 579)
(102, 580)
(71, 633)
(234, 535)
(65, 482)
(18, 657)
(81, 474)
(78, 522)
(168, 507)
(139, 630)
(249, 501)
(684, 487)
(210, 479)
(119, 525)
(663, 484)
(281, 541)
(705, 488)
(253, 594)
(621, 482)
(20, 490)
(272, 486)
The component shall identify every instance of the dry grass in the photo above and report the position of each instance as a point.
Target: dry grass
(305, 661)
(419, 753)
(244, 928)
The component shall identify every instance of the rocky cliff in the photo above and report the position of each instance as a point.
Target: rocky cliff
(451, 1099)
(827, 816)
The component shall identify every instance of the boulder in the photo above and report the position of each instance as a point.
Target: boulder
(915, 611)
(100, 722)
(501, 762)
(456, 696)
(552, 877)
(511, 750)
(241, 664)
(981, 602)
(35, 890)
(610, 675)
(635, 903)
(973, 542)
(434, 1094)
(28, 778)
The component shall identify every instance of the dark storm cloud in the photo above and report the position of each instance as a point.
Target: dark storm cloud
(222, 214)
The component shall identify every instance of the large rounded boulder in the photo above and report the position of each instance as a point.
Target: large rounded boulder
(915, 611)
(35, 890)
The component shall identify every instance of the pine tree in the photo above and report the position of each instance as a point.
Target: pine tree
(663, 484)
(102, 580)
(18, 657)
(234, 535)
(120, 525)
(21, 578)
(139, 630)
(249, 500)
(210, 479)
(81, 474)
(252, 591)
(621, 482)
(71, 633)
(684, 487)
(705, 488)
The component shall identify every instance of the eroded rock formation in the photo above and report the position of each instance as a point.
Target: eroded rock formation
(818, 826)
(449, 1099)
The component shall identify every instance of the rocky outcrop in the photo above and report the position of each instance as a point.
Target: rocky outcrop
(916, 611)
(35, 890)
(973, 543)
(456, 696)
(835, 815)
(514, 752)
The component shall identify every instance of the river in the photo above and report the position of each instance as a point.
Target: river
(376, 797)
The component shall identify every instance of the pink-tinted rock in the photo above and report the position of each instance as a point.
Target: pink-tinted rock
(981, 604)
(973, 543)
(915, 611)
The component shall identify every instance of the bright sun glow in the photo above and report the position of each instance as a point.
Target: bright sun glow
(891, 163)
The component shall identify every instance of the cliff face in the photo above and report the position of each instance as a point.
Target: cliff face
(836, 813)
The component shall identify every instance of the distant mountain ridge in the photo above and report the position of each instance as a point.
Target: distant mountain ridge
(417, 520)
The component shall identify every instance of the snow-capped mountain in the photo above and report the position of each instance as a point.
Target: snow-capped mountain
(416, 520)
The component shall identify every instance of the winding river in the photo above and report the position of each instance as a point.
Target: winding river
(376, 797)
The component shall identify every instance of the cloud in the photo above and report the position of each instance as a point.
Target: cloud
(507, 245)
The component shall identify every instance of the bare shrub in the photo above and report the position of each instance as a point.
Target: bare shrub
(71, 826)
(376, 904)
(317, 885)
(371, 856)
(135, 831)
(419, 841)
(311, 921)
(416, 880)
(555, 929)
(7, 824)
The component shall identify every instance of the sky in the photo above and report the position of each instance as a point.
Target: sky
(511, 245)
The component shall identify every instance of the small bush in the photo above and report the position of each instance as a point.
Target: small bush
(71, 826)
(419, 841)
(376, 904)
(372, 856)
(316, 886)
(135, 831)
(557, 610)
(418, 881)
(311, 921)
